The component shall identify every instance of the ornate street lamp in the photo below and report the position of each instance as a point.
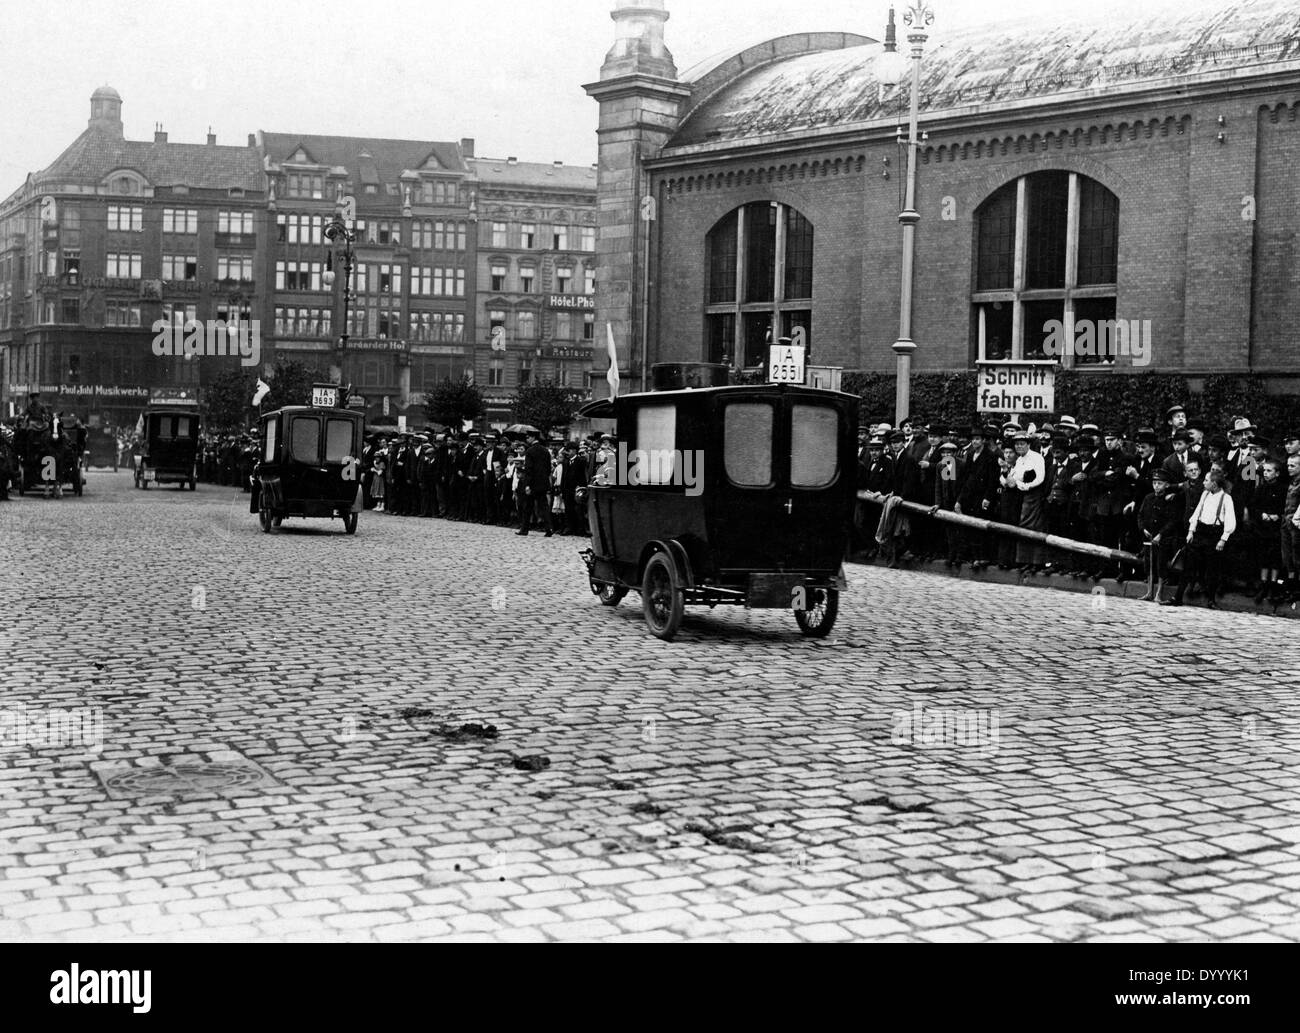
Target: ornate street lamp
(917, 17)
(337, 230)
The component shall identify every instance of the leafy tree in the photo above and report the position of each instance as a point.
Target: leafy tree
(291, 385)
(545, 405)
(453, 402)
(226, 399)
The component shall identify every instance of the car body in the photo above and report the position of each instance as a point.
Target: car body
(749, 502)
(308, 465)
(169, 447)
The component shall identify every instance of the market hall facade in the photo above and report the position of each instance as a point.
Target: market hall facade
(1138, 174)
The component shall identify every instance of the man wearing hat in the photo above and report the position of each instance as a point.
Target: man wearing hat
(977, 491)
(948, 471)
(1160, 520)
(927, 536)
(426, 494)
(534, 485)
(874, 473)
(1067, 426)
(1239, 455)
(1112, 478)
(1196, 432)
(1078, 485)
(1176, 421)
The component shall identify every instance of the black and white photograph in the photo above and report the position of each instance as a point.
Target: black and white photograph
(900, 401)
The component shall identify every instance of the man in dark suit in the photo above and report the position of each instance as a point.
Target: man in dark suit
(1110, 494)
(977, 491)
(572, 478)
(536, 482)
(492, 464)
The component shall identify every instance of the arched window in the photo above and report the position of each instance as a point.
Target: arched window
(1046, 248)
(760, 277)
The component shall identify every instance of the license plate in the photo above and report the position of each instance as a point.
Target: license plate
(771, 591)
(148, 475)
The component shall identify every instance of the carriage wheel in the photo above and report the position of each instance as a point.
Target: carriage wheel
(77, 484)
(350, 523)
(818, 618)
(662, 599)
(609, 595)
(264, 517)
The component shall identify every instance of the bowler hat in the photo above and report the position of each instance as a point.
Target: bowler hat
(1259, 441)
(1147, 437)
(1219, 442)
(896, 436)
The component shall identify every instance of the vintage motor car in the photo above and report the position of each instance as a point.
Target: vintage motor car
(169, 447)
(721, 494)
(309, 462)
(48, 453)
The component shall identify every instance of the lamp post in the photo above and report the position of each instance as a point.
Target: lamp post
(917, 17)
(337, 230)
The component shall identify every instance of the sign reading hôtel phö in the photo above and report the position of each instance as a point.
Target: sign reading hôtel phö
(586, 302)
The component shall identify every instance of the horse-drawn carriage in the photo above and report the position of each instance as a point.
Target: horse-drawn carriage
(47, 453)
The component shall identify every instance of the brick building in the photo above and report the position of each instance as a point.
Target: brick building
(116, 234)
(535, 303)
(112, 236)
(411, 315)
(1141, 170)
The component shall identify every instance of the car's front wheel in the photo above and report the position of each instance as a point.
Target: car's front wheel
(817, 616)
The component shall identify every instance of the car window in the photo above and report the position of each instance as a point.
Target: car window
(747, 443)
(268, 454)
(183, 426)
(814, 443)
(165, 431)
(655, 456)
(304, 439)
(338, 440)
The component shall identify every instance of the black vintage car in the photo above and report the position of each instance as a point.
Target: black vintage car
(169, 447)
(741, 495)
(48, 453)
(309, 464)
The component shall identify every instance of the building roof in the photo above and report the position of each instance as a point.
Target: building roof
(997, 63)
(97, 152)
(507, 173)
(367, 160)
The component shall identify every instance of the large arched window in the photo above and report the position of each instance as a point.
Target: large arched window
(1046, 249)
(760, 277)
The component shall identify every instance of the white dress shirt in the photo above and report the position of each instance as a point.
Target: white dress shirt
(1213, 507)
(1028, 471)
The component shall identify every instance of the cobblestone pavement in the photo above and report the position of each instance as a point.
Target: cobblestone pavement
(283, 754)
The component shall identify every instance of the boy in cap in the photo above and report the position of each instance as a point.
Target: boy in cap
(1160, 519)
(948, 471)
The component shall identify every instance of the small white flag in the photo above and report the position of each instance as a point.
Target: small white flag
(612, 374)
(139, 426)
(263, 389)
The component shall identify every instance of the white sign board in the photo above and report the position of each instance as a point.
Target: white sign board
(401, 425)
(1006, 387)
(785, 364)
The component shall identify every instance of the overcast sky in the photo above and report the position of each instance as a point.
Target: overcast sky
(508, 73)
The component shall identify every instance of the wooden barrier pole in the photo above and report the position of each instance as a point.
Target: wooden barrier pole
(980, 524)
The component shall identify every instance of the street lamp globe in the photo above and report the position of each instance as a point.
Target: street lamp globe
(328, 277)
(890, 67)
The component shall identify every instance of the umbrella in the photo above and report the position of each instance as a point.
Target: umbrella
(518, 430)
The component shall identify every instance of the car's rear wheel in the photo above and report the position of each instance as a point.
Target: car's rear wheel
(350, 523)
(610, 595)
(818, 616)
(662, 599)
(264, 516)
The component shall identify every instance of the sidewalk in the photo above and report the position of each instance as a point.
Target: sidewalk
(1233, 601)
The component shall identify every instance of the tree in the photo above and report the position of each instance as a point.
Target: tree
(291, 385)
(545, 405)
(227, 398)
(453, 402)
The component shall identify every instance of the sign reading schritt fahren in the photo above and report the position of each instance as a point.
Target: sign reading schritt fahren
(1016, 388)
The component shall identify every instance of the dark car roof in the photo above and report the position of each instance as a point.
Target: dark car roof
(313, 410)
(604, 408)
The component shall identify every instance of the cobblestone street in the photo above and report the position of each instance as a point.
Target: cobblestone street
(434, 730)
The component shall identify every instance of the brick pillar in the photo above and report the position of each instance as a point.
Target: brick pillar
(640, 108)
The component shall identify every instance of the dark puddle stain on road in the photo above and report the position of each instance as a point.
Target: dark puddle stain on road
(466, 733)
(535, 762)
(729, 837)
(646, 807)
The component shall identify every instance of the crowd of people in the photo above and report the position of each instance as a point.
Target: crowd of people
(1208, 511)
(487, 478)
(227, 458)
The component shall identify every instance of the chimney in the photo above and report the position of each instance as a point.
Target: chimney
(212, 137)
(559, 164)
(252, 139)
(158, 135)
(512, 160)
(467, 146)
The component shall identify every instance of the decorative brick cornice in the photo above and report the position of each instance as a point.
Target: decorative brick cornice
(786, 172)
(1082, 135)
